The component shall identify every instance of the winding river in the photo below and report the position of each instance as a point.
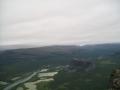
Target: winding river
(32, 85)
(9, 87)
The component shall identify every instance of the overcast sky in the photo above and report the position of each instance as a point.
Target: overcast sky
(51, 22)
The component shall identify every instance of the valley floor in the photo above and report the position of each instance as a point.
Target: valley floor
(30, 82)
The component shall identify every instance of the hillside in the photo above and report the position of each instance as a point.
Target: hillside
(19, 61)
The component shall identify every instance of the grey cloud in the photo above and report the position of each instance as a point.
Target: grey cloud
(48, 22)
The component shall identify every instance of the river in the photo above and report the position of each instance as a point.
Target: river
(9, 87)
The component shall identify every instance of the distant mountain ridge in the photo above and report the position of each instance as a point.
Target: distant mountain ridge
(33, 58)
(21, 46)
(68, 50)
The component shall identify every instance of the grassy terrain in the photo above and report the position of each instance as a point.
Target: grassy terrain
(15, 63)
(96, 79)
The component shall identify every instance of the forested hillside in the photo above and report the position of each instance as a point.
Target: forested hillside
(19, 61)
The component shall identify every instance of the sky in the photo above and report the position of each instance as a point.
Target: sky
(59, 22)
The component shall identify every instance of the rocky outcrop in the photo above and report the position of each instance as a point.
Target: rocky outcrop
(80, 65)
(114, 83)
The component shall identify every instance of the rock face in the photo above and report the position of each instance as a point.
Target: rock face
(80, 65)
(114, 83)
